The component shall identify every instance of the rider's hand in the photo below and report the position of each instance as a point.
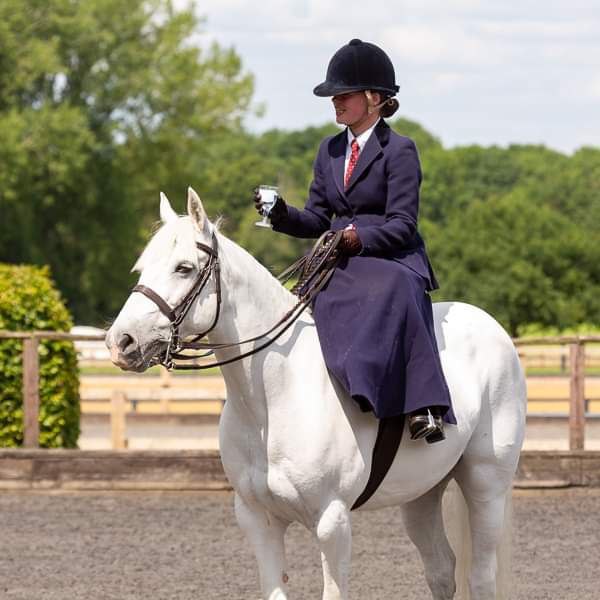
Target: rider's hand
(279, 210)
(350, 243)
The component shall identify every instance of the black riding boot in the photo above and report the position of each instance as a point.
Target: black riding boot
(427, 423)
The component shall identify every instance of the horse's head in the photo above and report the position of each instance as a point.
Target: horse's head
(171, 267)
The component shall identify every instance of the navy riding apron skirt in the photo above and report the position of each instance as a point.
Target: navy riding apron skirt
(375, 325)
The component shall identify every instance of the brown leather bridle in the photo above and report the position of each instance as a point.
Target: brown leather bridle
(317, 268)
(177, 315)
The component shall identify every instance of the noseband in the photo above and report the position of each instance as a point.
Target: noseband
(315, 271)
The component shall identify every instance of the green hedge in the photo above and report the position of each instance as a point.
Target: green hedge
(29, 301)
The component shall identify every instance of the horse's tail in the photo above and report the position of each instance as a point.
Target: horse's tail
(456, 522)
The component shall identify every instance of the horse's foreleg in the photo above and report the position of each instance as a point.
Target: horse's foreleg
(425, 527)
(265, 533)
(334, 534)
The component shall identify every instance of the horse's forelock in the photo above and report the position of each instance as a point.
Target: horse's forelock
(165, 237)
(218, 223)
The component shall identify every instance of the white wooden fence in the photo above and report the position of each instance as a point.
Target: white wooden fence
(119, 401)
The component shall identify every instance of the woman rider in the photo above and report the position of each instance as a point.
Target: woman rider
(374, 319)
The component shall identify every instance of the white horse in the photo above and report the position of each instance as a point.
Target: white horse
(295, 447)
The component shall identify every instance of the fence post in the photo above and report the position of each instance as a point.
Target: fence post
(165, 385)
(577, 397)
(31, 397)
(117, 420)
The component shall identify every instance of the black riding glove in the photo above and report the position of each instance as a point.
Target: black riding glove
(277, 213)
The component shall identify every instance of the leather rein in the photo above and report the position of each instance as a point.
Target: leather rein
(315, 269)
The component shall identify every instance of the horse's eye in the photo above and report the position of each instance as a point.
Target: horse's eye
(184, 268)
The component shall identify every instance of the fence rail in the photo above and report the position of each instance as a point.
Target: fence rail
(31, 370)
(118, 398)
(577, 401)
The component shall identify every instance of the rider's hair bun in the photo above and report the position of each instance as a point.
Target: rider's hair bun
(389, 108)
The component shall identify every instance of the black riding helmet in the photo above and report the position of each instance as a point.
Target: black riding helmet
(358, 66)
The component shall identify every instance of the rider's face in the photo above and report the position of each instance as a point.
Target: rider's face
(351, 109)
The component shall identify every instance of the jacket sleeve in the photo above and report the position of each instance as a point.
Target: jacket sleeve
(315, 218)
(402, 205)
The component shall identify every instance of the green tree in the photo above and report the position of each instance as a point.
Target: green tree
(102, 103)
(579, 192)
(523, 262)
(425, 140)
(228, 171)
(455, 178)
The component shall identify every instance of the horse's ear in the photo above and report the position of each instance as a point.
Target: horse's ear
(197, 213)
(166, 212)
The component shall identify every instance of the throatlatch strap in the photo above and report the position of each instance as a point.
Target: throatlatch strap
(389, 436)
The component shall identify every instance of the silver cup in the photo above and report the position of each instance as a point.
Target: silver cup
(268, 196)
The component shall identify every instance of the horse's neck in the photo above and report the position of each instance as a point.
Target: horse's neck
(253, 301)
(252, 298)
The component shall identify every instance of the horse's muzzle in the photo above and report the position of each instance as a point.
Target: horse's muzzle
(126, 352)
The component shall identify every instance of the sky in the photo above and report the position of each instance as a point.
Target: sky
(471, 72)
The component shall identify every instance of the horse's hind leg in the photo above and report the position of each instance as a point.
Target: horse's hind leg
(425, 527)
(334, 534)
(485, 493)
(485, 475)
(265, 534)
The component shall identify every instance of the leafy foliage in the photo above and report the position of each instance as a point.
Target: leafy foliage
(29, 301)
(101, 104)
(104, 103)
(522, 262)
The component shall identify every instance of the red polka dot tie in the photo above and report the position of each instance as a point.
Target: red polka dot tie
(352, 162)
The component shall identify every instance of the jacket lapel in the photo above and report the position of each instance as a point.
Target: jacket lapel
(337, 153)
(373, 148)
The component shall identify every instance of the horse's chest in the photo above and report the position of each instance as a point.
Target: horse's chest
(268, 485)
(257, 478)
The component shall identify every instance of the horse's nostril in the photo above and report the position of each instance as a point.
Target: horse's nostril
(126, 343)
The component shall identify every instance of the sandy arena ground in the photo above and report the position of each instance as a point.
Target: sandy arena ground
(187, 546)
